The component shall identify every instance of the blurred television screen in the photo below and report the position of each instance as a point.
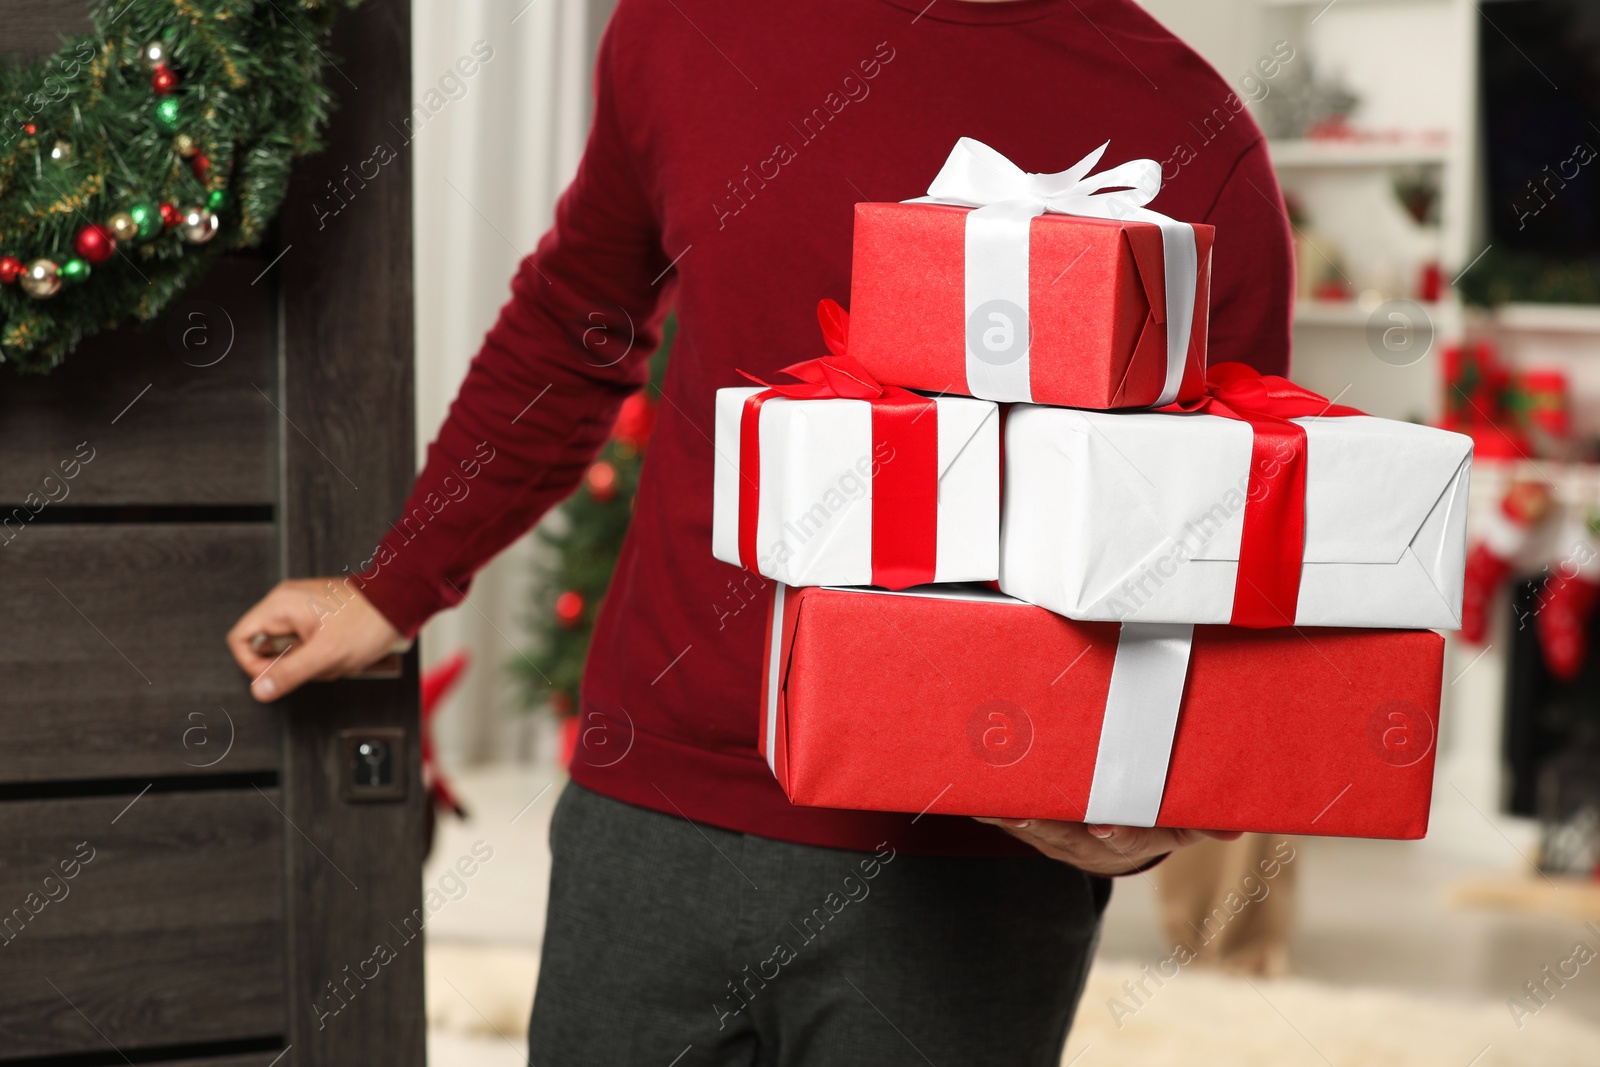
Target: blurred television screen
(1540, 84)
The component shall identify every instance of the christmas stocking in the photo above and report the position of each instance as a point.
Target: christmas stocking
(1566, 602)
(1489, 563)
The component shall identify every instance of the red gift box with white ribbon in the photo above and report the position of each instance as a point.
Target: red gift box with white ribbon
(967, 702)
(1059, 289)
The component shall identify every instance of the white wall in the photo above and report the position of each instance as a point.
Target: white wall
(488, 165)
(1226, 32)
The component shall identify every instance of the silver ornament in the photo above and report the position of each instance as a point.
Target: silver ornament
(61, 151)
(153, 54)
(196, 225)
(41, 280)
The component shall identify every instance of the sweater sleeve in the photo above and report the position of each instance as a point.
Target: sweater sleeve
(1252, 268)
(542, 394)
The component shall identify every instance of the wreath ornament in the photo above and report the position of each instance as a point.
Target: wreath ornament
(137, 153)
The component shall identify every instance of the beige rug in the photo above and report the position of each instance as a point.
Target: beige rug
(479, 997)
(1203, 1018)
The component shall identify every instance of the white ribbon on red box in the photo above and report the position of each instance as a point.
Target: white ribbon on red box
(1007, 199)
(1136, 731)
(1141, 719)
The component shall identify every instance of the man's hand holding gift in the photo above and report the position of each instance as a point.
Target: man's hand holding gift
(1104, 850)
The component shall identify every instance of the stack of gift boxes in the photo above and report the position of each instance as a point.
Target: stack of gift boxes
(1037, 560)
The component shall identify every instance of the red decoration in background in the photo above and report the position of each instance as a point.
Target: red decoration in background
(163, 81)
(602, 482)
(437, 682)
(1544, 401)
(10, 269)
(569, 732)
(1508, 414)
(29, 128)
(1430, 287)
(569, 609)
(1489, 562)
(561, 702)
(201, 165)
(635, 421)
(169, 215)
(95, 243)
(1565, 604)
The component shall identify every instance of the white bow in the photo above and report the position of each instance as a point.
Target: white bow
(1007, 198)
(976, 175)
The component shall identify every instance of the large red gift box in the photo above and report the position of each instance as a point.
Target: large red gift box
(1097, 309)
(971, 703)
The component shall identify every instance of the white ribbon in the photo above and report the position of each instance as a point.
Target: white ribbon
(1007, 199)
(1147, 678)
(774, 674)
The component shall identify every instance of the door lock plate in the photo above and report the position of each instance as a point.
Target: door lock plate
(372, 764)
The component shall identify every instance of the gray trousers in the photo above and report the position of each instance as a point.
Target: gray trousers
(672, 944)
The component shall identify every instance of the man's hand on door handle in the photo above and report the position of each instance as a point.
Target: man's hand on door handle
(309, 629)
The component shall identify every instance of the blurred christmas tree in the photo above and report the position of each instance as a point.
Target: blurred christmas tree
(586, 534)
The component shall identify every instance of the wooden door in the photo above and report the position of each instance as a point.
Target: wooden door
(187, 877)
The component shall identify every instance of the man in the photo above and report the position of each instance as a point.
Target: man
(696, 916)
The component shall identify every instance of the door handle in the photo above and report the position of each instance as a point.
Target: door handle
(387, 667)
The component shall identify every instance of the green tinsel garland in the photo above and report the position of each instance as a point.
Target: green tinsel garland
(1502, 277)
(85, 136)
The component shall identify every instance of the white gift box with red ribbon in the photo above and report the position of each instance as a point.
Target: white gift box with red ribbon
(837, 491)
(1143, 517)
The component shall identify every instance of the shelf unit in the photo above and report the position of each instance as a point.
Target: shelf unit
(1351, 313)
(1549, 318)
(1344, 183)
(1299, 155)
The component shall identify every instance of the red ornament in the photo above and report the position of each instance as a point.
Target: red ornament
(201, 164)
(169, 215)
(635, 421)
(29, 128)
(602, 481)
(561, 704)
(569, 609)
(95, 243)
(10, 268)
(1430, 287)
(163, 81)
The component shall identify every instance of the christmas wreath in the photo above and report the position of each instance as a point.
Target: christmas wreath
(136, 153)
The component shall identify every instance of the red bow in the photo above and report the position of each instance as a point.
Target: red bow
(905, 489)
(836, 375)
(1272, 545)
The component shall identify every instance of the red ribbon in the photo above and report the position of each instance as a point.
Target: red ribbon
(905, 481)
(1272, 546)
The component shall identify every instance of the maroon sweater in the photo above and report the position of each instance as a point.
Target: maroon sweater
(730, 144)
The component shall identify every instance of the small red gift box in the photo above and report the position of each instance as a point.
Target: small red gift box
(971, 703)
(1097, 306)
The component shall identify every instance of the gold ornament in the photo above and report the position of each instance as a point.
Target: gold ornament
(41, 280)
(196, 225)
(153, 55)
(185, 145)
(61, 152)
(122, 226)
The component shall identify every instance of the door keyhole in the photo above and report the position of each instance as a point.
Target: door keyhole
(375, 760)
(372, 763)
